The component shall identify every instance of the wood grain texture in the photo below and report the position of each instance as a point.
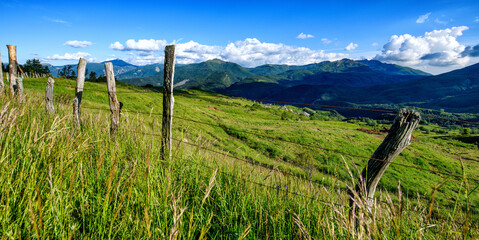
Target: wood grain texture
(168, 102)
(79, 90)
(49, 96)
(114, 104)
(12, 68)
(398, 138)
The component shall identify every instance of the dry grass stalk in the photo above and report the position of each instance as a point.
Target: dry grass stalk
(177, 213)
(304, 234)
(210, 186)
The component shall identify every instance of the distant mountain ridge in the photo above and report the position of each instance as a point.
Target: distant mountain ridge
(216, 74)
(455, 91)
(344, 82)
(119, 67)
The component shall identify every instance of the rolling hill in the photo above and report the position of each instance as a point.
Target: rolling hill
(455, 91)
(224, 175)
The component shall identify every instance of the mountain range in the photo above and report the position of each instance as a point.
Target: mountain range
(343, 82)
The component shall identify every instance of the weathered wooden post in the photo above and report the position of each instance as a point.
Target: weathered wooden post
(12, 68)
(2, 85)
(114, 104)
(19, 80)
(398, 138)
(79, 90)
(168, 102)
(49, 96)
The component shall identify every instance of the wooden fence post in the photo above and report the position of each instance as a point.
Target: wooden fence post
(19, 80)
(79, 90)
(398, 138)
(12, 68)
(114, 104)
(2, 85)
(49, 96)
(168, 102)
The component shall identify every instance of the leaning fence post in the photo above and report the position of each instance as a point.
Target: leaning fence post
(114, 104)
(49, 96)
(2, 85)
(168, 102)
(12, 68)
(79, 90)
(398, 138)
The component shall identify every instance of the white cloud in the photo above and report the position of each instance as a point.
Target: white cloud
(249, 52)
(476, 20)
(374, 44)
(440, 21)
(304, 36)
(326, 41)
(56, 20)
(140, 45)
(436, 48)
(117, 46)
(252, 52)
(67, 56)
(351, 46)
(78, 44)
(423, 18)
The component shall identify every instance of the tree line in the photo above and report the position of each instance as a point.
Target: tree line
(35, 66)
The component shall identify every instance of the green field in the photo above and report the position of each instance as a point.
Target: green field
(61, 182)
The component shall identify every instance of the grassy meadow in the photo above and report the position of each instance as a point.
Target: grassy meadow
(58, 181)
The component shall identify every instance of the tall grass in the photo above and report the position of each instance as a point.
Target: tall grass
(57, 181)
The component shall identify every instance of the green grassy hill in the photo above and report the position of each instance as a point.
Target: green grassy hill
(62, 182)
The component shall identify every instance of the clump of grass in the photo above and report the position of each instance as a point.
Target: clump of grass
(57, 181)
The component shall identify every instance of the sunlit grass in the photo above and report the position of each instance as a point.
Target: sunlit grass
(60, 182)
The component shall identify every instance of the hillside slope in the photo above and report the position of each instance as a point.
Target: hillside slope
(83, 183)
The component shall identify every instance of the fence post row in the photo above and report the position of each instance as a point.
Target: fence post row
(79, 90)
(168, 102)
(12, 69)
(49, 96)
(398, 138)
(114, 104)
(2, 85)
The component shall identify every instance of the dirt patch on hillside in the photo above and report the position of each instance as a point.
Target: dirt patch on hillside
(214, 108)
(374, 131)
(380, 133)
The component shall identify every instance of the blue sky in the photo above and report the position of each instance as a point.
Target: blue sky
(435, 36)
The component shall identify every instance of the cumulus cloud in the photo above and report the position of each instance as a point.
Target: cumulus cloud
(423, 18)
(78, 44)
(326, 41)
(67, 56)
(249, 52)
(146, 45)
(304, 36)
(252, 52)
(351, 46)
(436, 48)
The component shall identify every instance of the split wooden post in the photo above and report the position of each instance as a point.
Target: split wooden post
(19, 83)
(398, 138)
(19, 80)
(12, 68)
(168, 102)
(114, 103)
(79, 90)
(2, 85)
(49, 96)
